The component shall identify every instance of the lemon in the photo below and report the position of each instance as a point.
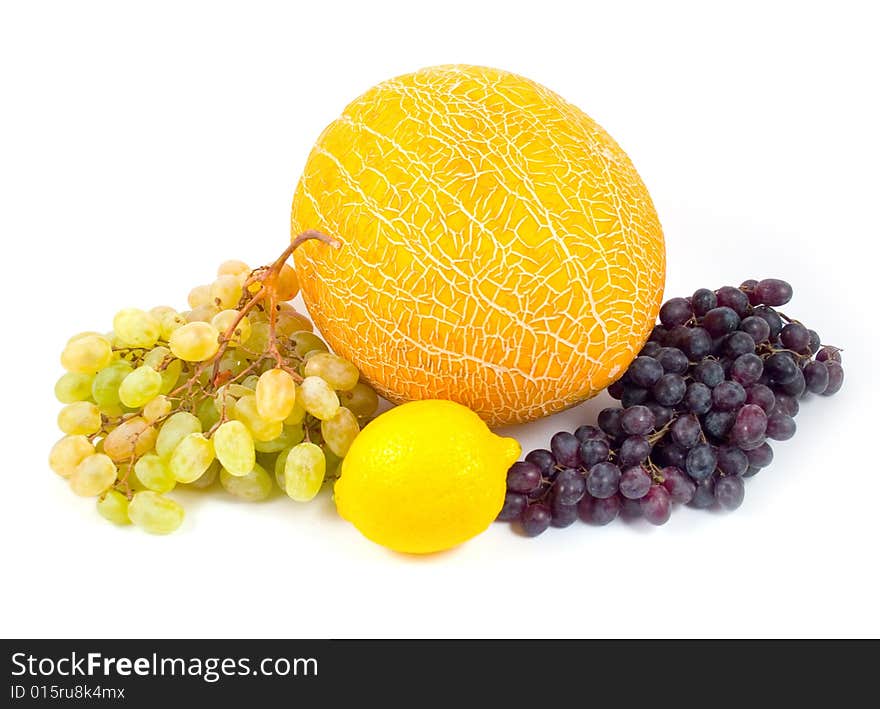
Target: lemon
(424, 476)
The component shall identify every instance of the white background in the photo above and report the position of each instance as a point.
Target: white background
(143, 143)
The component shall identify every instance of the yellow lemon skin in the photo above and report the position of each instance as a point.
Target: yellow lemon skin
(424, 477)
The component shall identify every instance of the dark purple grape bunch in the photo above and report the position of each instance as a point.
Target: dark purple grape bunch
(720, 375)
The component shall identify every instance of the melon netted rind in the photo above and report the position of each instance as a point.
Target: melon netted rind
(499, 248)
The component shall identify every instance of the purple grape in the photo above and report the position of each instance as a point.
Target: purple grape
(633, 450)
(514, 504)
(835, 377)
(772, 291)
(656, 505)
(603, 480)
(535, 519)
(650, 349)
(686, 431)
(704, 494)
(597, 511)
(828, 354)
(816, 377)
(637, 420)
(676, 311)
(593, 451)
(795, 336)
(728, 396)
(633, 396)
(670, 454)
(709, 372)
(750, 426)
(669, 390)
(679, 486)
(748, 287)
(732, 460)
(609, 422)
(780, 367)
(588, 433)
(751, 471)
(523, 477)
(771, 317)
(701, 461)
(541, 492)
(702, 301)
(562, 515)
(634, 482)
(565, 449)
(658, 334)
(761, 395)
(786, 404)
(675, 337)
(738, 343)
(673, 360)
(696, 344)
(645, 371)
(747, 369)
(662, 414)
(630, 509)
(717, 424)
(721, 321)
(544, 460)
(569, 487)
(756, 328)
(729, 492)
(733, 298)
(697, 398)
(761, 456)
(780, 427)
(796, 386)
(815, 342)
(616, 389)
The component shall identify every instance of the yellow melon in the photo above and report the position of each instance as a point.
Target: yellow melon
(499, 248)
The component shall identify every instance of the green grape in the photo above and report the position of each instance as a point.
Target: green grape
(105, 387)
(362, 400)
(337, 372)
(154, 473)
(143, 384)
(199, 296)
(223, 321)
(207, 413)
(245, 410)
(297, 413)
(234, 448)
(87, 354)
(80, 418)
(168, 323)
(204, 313)
(94, 474)
(259, 339)
(304, 471)
(161, 310)
(68, 452)
(340, 431)
(73, 387)
(176, 427)
(206, 479)
(286, 284)
(276, 394)
(291, 322)
(253, 486)
(233, 361)
(305, 341)
(135, 328)
(191, 458)
(334, 462)
(226, 291)
(195, 342)
(234, 267)
(291, 435)
(170, 373)
(155, 513)
(318, 398)
(132, 438)
(306, 357)
(250, 382)
(113, 506)
(280, 462)
(157, 408)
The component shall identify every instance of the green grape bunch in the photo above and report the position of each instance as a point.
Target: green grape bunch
(238, 389)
